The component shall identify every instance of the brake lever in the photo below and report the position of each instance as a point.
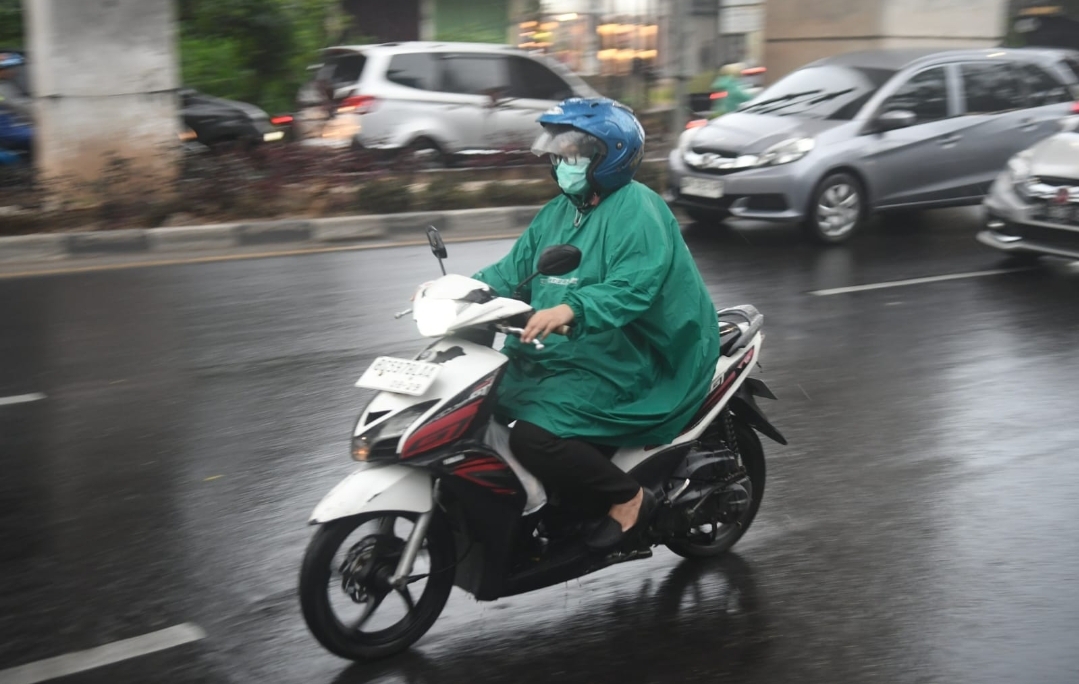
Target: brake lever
(510, 330)
(402, 314)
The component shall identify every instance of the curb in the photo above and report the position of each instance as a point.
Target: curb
(464, 223)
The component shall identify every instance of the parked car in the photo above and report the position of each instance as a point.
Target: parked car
(1033, 207)
(433, 100)
(16, 125)
(870, 131)
(216, 122)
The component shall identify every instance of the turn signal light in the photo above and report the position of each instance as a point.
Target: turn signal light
(696, 123)
(361, 450)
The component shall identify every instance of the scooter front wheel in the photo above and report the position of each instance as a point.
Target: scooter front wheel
(348, 600)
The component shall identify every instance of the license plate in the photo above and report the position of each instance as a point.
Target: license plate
(401, 376)
(1059, 213)
(273, 137)
(702, 187)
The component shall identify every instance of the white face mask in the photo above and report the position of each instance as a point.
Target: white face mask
(573, 176)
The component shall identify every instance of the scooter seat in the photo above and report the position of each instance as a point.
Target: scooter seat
(732, 336)
(729, 334)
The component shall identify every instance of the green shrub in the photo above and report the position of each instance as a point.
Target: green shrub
(385, 196)
(445, 193)
(517, 194)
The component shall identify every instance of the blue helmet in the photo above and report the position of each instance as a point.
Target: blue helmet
(10, 60)
(612, 124)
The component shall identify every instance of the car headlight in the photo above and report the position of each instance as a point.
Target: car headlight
(786, 152)
(685, 141)
(1020, 170)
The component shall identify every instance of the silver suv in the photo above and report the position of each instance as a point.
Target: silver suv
(434, 100)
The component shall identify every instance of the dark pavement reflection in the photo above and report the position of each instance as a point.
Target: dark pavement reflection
(919, 527)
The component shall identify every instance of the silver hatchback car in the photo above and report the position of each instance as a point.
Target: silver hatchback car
(435, 100)
(870, 131)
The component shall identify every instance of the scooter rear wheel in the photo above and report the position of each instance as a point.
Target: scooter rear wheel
(749, 446)
(347, 600)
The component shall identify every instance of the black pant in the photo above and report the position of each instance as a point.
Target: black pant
(580, 473)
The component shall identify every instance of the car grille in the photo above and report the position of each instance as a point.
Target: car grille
(1058, 182)
(767, 202)
(714, 162)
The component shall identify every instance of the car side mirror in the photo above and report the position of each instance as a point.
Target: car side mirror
(895, 119)
(559, 260)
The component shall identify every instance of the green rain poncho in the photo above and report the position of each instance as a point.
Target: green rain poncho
(645, 339)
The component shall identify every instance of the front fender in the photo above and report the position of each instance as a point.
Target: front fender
(379, 488)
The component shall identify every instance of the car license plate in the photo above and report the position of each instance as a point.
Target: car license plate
(401, 376)
(1060, 213)
(273, 137)
(702, 187)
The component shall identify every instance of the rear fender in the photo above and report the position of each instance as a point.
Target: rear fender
(377, 488)
(744, 405)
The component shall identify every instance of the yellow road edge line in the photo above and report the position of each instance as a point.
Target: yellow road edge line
(240, 257)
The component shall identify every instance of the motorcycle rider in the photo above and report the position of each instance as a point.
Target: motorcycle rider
(644, 338)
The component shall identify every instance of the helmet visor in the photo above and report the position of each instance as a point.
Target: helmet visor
(565, 143)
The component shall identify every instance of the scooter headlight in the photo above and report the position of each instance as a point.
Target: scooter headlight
(379, 442)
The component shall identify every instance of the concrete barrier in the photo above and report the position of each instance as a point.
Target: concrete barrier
(461, 224)
(33, 248)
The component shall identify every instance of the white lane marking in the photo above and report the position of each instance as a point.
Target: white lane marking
(915, 281)
(81, 661)
(21, 399)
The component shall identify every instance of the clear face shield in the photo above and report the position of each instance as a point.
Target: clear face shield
(566, 144)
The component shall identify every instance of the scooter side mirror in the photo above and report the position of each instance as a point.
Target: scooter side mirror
(434, 238)
(556, 260)
(559, 260)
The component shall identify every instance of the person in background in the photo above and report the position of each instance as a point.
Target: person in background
(728, 91)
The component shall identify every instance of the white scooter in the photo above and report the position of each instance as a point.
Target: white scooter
(439, 499)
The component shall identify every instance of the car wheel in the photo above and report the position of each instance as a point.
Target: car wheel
(708, 217)
(838, 209)
(424, 153)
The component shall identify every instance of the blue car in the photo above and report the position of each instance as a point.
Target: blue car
(16, 132)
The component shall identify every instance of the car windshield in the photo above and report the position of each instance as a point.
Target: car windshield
(821, 92)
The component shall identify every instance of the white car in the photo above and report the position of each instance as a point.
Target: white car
(434, 100)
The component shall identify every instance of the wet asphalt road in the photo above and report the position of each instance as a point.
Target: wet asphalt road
(919, 528)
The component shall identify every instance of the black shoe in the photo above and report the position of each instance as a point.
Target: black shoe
(608, 534)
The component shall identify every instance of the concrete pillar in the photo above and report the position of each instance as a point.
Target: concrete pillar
(427, 20)
(800, 31)
(104, 75)
(677, 16)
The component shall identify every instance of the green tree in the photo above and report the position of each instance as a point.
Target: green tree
(254, 50)
(11, 24)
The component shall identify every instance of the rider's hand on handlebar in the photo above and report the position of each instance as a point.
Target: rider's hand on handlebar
(547, 321)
